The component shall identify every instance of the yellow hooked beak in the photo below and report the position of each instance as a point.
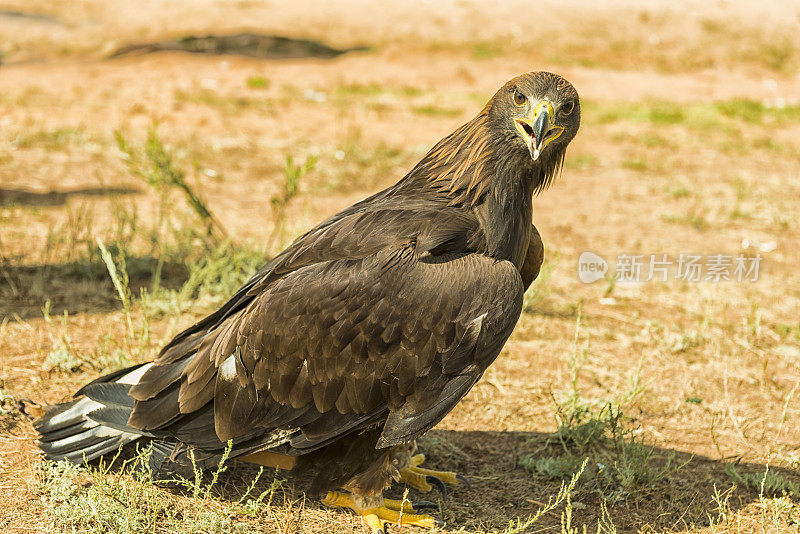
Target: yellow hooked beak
(538, 130)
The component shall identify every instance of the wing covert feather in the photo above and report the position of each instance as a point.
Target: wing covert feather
(360, 326)
(353, 340)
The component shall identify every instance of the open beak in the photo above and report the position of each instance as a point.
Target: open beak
(538, 130)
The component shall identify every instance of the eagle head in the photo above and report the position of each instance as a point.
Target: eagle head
(539, 111)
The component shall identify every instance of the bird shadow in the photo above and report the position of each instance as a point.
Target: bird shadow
(502, 490)
(10, 197)
(80, 286)
(11, 14)
(252, 45)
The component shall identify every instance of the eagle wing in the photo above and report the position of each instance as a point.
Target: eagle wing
(327, 340)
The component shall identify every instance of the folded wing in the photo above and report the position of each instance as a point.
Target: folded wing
(395, 337)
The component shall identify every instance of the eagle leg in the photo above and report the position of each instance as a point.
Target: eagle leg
(376, 511)
(422, 479)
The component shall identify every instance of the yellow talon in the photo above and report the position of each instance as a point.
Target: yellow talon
(392, 511)
(393, 516)
(448, 477)
(373, 522)
(393, 504)
(337, 498)
(415, 479)
(421, 479)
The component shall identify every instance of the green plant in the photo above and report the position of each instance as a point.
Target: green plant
(742, 193)
(437, 111)
(635, 164)
(213, 277)
(7, 402)
(289, 190)
(62, 356)
(155, 165)
(605, 525)
(207, 271)
(560, 466)
(136, 342)
(257, 82)
(694, 219)
(485, 50)
(51, 140)
(678, 190)
(518, 526)
(770, 482)
(125, 499)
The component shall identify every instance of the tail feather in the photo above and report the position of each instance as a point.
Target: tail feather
(67, 431)
(95, 451)
(96, 424)
(89, 427)
(110, 394)
(116, 418)
(64, 415)
(78, 442)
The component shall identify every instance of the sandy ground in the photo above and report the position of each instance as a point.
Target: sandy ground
(636, 182)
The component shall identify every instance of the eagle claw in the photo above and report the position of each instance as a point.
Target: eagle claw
(425, 479)
(436, 481)
(422, 505)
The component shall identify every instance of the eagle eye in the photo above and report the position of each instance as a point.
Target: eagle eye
(567, 108)
(519, 98)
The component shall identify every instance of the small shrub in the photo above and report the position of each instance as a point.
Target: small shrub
(622, 465)
(290, 188)
(769, 483)
(257, 82)
(125, 499)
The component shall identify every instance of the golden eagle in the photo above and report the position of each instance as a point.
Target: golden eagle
(361, 335)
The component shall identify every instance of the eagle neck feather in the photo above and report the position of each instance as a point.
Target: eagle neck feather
(484, 166)
(507, 211)
(460, 165)
(465, 165)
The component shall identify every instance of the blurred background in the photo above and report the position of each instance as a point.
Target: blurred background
(154, 154)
